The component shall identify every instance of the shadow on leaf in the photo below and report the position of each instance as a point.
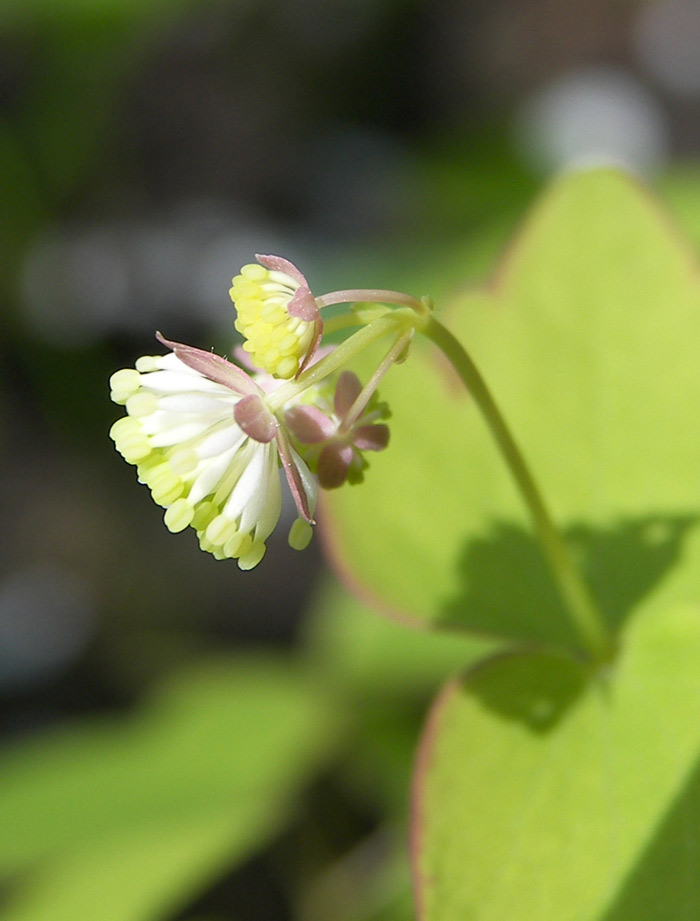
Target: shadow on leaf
(508, 589)
(534, 689)
(664, 883)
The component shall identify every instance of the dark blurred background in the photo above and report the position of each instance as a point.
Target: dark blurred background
(148, 149)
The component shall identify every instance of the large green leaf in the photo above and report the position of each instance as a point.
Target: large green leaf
(123, 819)
(589, 336)
(545, 793)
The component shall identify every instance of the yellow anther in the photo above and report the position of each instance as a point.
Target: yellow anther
(141, 404)
(220, 530)
(205, 544)
(286, 342)
(300, 534)
(203, 514)
(129, 440)
(178, 516)
(154, 472)
(145, 466)
(147, 363)
(287, 367)
(183, 461)
(254, 272)
(233, 545)
(252, 557)
(167, 490)
(122, 426)
(124, 383)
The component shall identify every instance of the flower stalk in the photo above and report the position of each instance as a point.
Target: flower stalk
(396, 321)
(374, 296)
(397, 349)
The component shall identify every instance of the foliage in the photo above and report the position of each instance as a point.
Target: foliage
(548, 788)
(548, 792)
(125, 819)
(545, 786)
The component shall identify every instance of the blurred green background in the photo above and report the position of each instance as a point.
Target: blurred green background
(147, 150)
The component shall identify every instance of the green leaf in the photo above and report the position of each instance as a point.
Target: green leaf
(680, 188)
(145, 872)
(122, 819)
(376, 658)
(589, 338)
(543, 792)
(384, 675)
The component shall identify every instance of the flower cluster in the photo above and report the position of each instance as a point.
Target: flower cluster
(277, 315)
(209, 438)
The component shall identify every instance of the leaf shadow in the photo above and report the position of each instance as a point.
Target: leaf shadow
(533, 689)
(665, 880)
(507, 589)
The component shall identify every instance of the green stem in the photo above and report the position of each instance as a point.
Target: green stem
(580, 606)
(396, 321)
(342, 321)
(374, 296)
(365, 395)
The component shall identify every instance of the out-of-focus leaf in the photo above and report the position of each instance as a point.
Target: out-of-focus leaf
(201, 777)
(20, 13)
(386, 673)
(375, 657)
(72, 97)
(589, 338)
(680, 188)
(141, 873)
(20, 206)
(370, 883)
(544, 792)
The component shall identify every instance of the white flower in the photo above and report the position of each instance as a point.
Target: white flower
(209, 439)
(208, 448)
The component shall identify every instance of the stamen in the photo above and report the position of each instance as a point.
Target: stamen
(300, 534)
(178, 516)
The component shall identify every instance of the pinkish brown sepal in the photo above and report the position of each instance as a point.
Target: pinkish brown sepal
(334, 464)
(308, 424)
(347, 390)
(371, 437)
(313, 347)
(255, 418)
(300, 483)
(213, 367)
(279, 264)
(333, 438)
(303, 305)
